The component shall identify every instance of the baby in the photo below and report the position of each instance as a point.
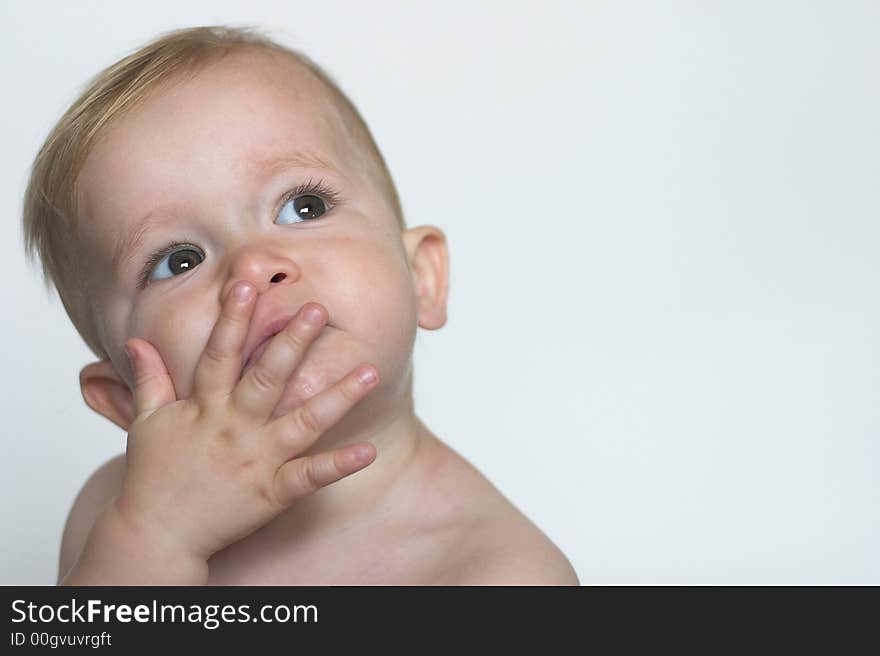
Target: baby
(227, 239)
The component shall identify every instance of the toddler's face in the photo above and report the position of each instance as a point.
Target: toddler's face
(191, 192)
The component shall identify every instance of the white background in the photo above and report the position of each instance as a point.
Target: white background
(663, 223)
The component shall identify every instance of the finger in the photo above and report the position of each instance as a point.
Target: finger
(219, 367)
(153, 386)
(296, 431)
(302, 476)
(262, 385)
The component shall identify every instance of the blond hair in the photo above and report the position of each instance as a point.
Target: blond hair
(51, 230)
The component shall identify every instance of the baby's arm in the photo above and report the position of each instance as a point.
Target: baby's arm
(204, 472)
(99, 490)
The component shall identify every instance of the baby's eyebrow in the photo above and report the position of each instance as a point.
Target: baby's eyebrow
(128, 245)
(299, 159)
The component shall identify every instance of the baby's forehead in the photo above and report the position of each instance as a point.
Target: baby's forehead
(261, 101)
(274, 97)
(237, 118)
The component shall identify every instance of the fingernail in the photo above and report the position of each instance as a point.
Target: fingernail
(131, 354)
(313, 315)
(362, 453)
(242, 291)
(366, 376)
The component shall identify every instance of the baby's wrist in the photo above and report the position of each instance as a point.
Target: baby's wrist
(162, 553)
(123, 551)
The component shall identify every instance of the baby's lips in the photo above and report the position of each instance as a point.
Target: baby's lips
(255, 355)
(272, 328)
(312, 315)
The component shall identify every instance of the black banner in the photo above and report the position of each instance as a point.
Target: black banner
(129, 620)
(122, 618)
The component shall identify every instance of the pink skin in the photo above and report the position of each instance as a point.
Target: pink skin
(192, 151)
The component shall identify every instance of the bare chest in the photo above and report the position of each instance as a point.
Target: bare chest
(416, 559)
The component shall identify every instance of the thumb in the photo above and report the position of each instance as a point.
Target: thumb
(153, 386)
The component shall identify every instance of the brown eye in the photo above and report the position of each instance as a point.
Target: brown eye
(302, 208)
(182, 261)
(177, 262)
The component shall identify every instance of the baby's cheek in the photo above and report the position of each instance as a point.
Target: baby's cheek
(392, 310)
(179, 334)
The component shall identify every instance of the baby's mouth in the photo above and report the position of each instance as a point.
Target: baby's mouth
(255, 355)
(272, 330)
(269, 333)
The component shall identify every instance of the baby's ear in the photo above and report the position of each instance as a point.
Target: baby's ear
(107, 393)
(429, 260)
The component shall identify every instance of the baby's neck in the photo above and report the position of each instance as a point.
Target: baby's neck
(366, 495)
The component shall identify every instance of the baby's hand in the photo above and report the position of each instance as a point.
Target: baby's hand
(204, 472)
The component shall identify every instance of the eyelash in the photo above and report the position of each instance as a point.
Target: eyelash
(318, 188)
(310, 188)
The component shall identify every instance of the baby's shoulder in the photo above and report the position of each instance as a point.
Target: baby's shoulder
(511, 551)
(99, 490)
(496, 544)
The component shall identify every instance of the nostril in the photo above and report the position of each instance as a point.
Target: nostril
(278, 277)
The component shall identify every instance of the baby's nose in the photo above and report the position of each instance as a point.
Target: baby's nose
(263, 269)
